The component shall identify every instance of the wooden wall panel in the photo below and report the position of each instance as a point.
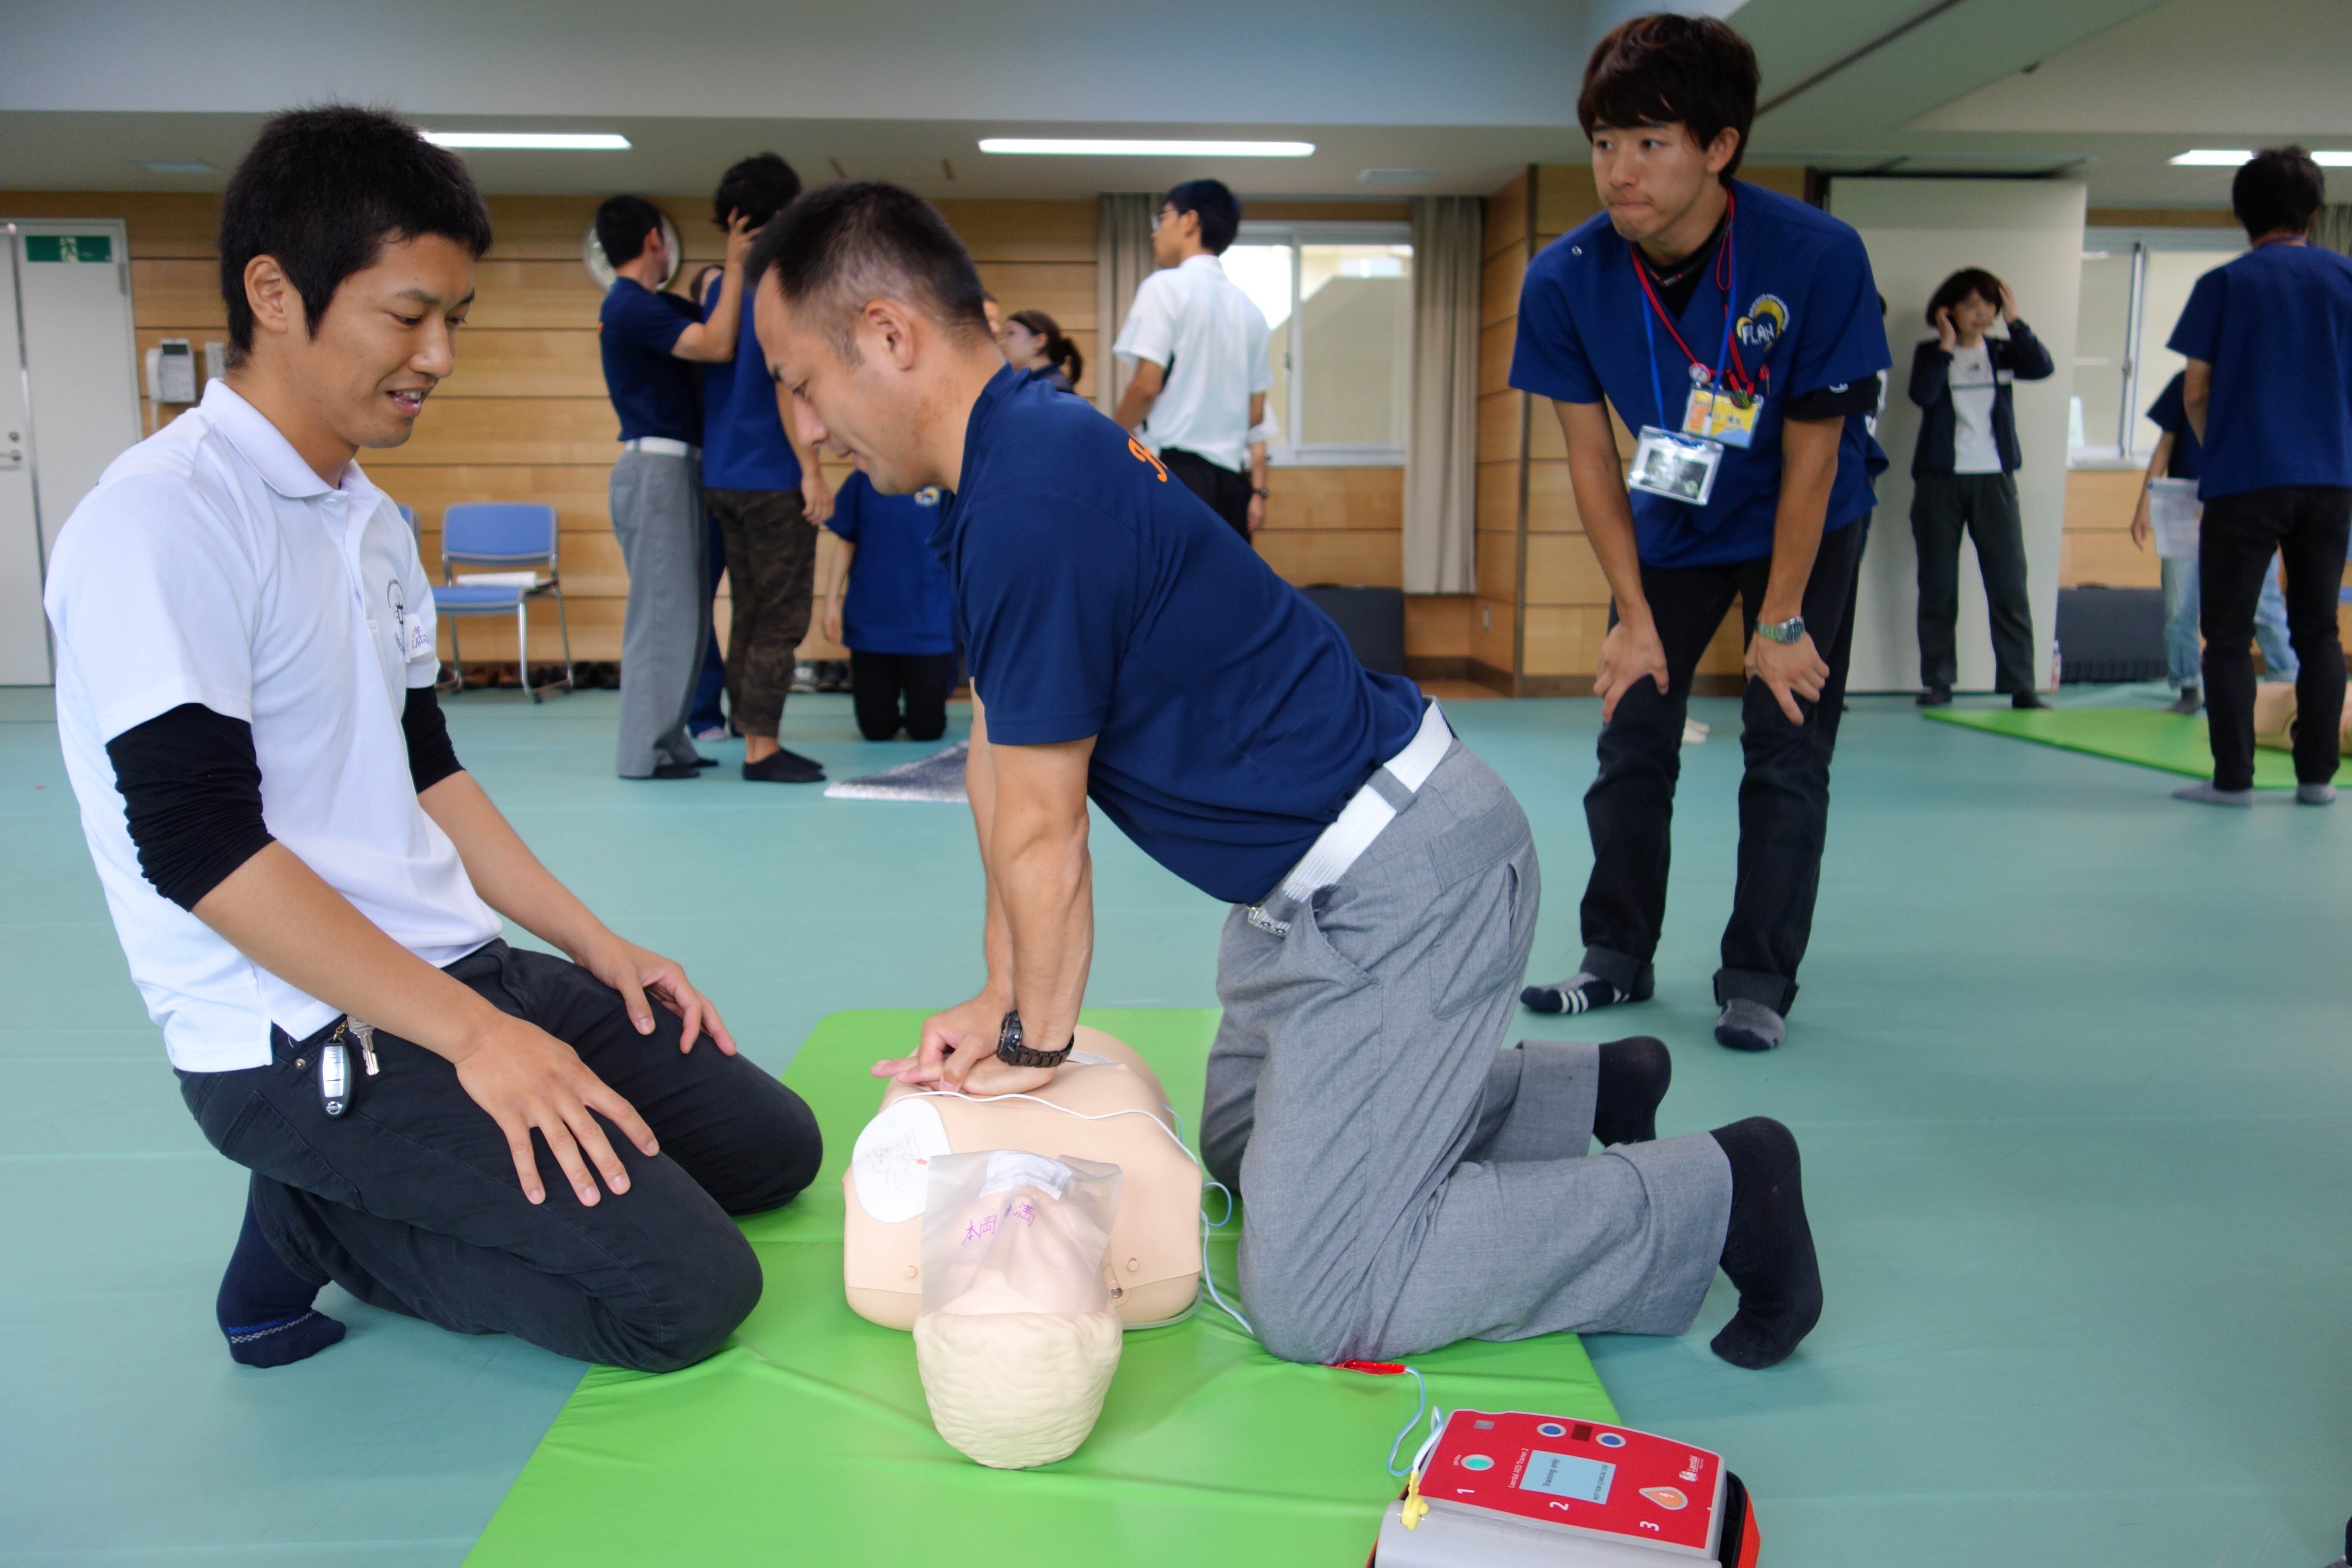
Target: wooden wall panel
(1506, 213)
(1562, 569)
(1565, 197)
(1498, 284)
(487, 430)
(1063, 289)
(1495, 344)
(1565, 639)
(1498, 429)
(161, 225)
(1437, 626)
(1352, 558)
(1491, 640)
(1551, 499)
(1360, 499)
(1498, 497)
(2106, 558)
(1498, 562)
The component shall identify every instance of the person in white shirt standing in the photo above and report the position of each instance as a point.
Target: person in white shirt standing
(1963, 475)
(290, 845)
(1198, 345)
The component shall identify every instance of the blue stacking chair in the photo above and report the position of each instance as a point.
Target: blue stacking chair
(500, 534)
(407, 514)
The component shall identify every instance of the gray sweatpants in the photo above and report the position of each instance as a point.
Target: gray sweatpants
(658, 516)
(1405, 1183)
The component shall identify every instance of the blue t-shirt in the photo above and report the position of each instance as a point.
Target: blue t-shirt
(652, 390)
(743, 444)
(1808, 321)
(2169, 413)
(2276, 326)
(899, 600)
(1096, 597)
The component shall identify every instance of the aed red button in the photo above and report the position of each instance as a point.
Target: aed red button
(1670, 1498)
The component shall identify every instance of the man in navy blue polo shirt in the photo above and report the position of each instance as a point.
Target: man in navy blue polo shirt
(1739, 333)
(649, 340)
(2268, 387)
(1404, 1183)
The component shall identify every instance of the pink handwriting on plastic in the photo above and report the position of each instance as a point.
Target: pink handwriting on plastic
(1023, 1211)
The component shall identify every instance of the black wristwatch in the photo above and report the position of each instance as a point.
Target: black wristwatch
(1012, 1053)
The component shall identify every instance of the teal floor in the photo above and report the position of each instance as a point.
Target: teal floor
(2070, 1072)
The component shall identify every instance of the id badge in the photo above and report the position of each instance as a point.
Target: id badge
(1679, 468)
(1722, 416)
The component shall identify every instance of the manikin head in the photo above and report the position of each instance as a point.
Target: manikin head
(1667, 101)
(868, 310)
(1198, 217)
(347, 252)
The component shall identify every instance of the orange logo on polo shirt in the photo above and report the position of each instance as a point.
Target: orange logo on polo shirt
(1143, 454)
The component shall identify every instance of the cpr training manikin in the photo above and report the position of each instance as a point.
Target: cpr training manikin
(1018, 1236)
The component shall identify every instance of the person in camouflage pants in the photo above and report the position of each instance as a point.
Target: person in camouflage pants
(770, 578)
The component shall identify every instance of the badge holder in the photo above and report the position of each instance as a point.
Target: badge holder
(1678, 467)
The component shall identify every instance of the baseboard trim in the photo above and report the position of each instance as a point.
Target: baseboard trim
(1581, 685)
(1494, 678)
(1424, 667)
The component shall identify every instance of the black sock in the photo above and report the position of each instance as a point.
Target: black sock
(1768, 1249)
(1577, 993)
(1634, 1074)
(265, 1306)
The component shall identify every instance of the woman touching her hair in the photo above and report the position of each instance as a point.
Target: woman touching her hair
(1034, 342)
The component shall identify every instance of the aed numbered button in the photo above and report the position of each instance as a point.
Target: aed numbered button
(1611, 1439)
(1552, 1429)
(1670, 1498)
(1476, 1462)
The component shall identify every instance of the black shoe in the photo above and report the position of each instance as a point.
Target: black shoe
(781, 766)
(703, 762)
(1934, 697)
(2026, 700)
(2191, 701)
(673, 771)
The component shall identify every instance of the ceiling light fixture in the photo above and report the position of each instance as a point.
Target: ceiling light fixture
(2230, 157)
(1114, 148)
(531, 141)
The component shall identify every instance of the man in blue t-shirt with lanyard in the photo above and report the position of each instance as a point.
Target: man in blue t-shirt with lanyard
(1405, 1182)
(2268, 389)
(1739, 333)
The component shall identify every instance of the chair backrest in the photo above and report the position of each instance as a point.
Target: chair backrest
(497, 533)
(407, 515)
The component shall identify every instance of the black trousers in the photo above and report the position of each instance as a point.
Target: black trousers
(409, 1199)
(877, 681)
(1784, 795)
(1985, 505)
(1227, 492)
(2306, 525)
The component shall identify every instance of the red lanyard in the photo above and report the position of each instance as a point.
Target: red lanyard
(1726, 268)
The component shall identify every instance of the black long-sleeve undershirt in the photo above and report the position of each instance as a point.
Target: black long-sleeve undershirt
(191, 788)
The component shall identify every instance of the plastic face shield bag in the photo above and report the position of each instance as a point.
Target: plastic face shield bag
(1006, 1231)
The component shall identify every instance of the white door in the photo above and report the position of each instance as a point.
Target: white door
(24, 634)
(2029, 233)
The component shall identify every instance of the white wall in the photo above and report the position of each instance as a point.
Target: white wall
(2029, 233)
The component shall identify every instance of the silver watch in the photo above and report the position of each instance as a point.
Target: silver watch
(1785, 631)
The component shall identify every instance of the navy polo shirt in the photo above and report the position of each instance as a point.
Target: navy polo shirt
(2276, 326)
(899, 600)
(1097, 597)
(2169, 413)
(743, 444)
(653, 391)
(1806, 320)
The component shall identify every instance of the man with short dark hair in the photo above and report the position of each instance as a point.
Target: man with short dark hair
(1405, 1181)
(648, 338)
(1199, 346)
(1738, 331)
(2268, 389)
(762, 482)
(290, 845)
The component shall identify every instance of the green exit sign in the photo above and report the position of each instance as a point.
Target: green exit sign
(68, 247)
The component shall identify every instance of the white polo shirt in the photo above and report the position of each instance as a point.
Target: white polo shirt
(212, 565)
(1213, 340)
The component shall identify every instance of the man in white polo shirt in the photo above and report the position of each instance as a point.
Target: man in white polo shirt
(1198, 347)
(307, 885)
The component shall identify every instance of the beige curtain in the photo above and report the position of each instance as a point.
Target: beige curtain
(2332, 227)
(1442, 448)
(1122, 261)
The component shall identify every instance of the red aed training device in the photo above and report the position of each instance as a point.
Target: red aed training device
(1514, 1490)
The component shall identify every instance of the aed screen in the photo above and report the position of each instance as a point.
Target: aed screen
(1565, 1475)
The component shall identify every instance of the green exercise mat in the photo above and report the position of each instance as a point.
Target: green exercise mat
(2172, 741)
(806, 1440)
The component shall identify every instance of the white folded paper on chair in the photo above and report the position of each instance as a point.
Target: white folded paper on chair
(2173, 511)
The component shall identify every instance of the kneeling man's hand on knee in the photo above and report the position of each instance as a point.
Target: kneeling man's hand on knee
(527, 1078)
(637, 973)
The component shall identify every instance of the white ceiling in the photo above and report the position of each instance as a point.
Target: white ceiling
(904, 88)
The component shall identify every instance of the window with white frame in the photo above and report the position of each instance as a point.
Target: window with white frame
(2135, 282)
(1339, 297)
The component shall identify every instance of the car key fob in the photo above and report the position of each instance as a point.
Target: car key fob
(334, 1079)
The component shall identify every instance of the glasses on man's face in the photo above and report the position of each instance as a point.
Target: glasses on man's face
(1165, 215)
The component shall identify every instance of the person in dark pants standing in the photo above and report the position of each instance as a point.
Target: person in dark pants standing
(1962, 473)
(2268, 389)
(1738, 332)
(890, 604)
(510, 1142)
(1200, 347)
(764, 485)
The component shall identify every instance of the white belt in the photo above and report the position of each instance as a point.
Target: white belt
(1368, 810)
(663, 444)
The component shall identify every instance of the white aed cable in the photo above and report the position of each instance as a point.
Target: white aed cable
(1208, 1276)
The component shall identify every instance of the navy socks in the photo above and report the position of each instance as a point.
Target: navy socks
(1632, 1079)
(1768, 1249)
(265, 1306)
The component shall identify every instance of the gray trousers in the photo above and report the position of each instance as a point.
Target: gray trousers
(1985, 505)
(1406, 1182)
(658, 516)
